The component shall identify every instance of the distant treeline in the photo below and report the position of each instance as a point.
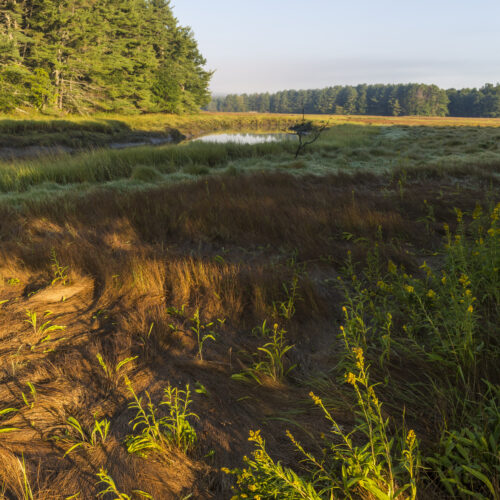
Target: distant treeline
(98, 55)
(386, 100)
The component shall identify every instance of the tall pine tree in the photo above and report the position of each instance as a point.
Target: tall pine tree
(106, 55)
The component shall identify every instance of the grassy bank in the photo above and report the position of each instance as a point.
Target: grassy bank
(401, 151)
(98, 130)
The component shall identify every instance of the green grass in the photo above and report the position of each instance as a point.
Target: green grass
(405, 151)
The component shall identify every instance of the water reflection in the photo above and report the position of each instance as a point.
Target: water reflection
(245, 138)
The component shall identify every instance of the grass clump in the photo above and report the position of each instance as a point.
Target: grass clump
(144, 173)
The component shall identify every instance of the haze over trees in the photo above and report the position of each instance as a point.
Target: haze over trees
(98, 55)
(379, 99)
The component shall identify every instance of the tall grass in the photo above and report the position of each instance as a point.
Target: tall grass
(106, 165)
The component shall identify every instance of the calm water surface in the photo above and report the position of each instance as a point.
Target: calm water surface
(245, 138)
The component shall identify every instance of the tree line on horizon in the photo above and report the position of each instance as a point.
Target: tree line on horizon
(98, 55)
(378, 99)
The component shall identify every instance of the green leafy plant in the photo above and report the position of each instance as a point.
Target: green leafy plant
(43, 328)
(114, 374)
(4, 412)
(381, 465)
(201, 389)
(111, 488)
(87, 439)
(468, 462)
(179, 313)
(286, 308)
(199, 329)
(271, 358)
(444, 322)
(30, 398)
(160, 433)
(59, 272)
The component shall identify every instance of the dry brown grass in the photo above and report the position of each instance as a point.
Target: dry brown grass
(223, 245)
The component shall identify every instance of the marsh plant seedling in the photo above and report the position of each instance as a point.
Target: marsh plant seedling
(112, 489)
(199, 328)
(4, 412)
(46, 327)
(114, 374)
(271, 359)
(29, 398)
(59, 272)
(87, 439)
(159, 434)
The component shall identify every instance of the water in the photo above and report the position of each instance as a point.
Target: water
(245, 138)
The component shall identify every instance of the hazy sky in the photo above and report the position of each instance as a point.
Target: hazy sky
(259, 45)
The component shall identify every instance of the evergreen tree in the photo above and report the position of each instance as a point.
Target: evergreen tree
(14, 75)
(116, 55)
(390, 100)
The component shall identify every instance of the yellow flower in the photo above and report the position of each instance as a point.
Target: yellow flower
(443, 280)
(359, 353)
(317, 401)
(496, 213)
(464, 279)
(409, 288)
(373, 395)
(470, 309)
(431, 293)
(254, 435)
(410, 438)
(351, 378)
(392, 267)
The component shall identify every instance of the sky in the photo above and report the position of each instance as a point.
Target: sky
(270, 45)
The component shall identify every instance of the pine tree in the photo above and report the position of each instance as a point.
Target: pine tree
(87, 55)
(14, 75)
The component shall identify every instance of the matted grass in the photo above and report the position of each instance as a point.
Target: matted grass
(116, 265)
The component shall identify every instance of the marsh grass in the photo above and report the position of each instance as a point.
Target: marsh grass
(143, 255)
(417, 151)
